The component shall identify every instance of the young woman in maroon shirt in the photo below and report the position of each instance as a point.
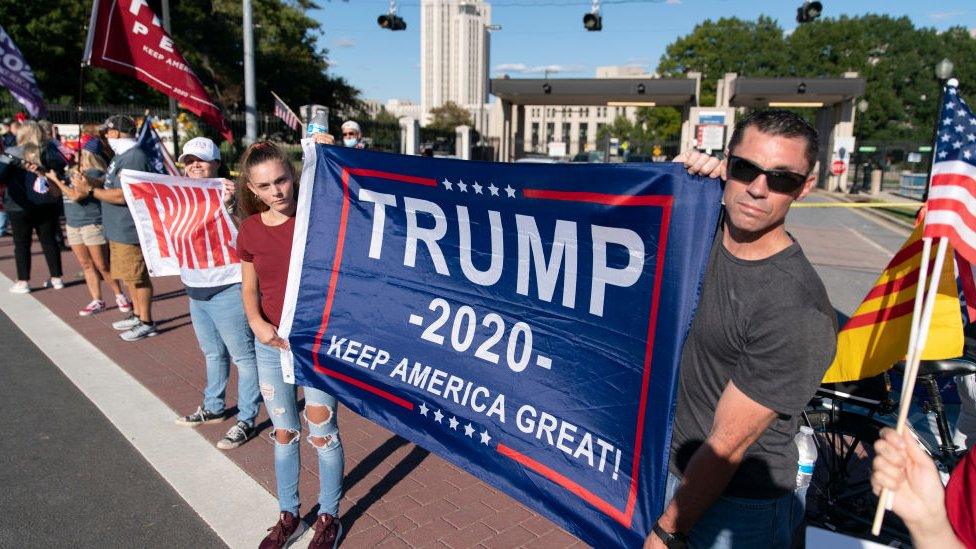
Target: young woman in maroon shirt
(268, 191)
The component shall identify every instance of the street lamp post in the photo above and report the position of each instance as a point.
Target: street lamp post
(943, 72)
(250, 97)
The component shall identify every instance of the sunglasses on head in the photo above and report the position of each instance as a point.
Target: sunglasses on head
(780, 181)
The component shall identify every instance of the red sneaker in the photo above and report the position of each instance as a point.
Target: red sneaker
(288, 529)
(124, 305)
(328, 530)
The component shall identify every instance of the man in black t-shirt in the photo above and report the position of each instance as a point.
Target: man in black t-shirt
(762, 338)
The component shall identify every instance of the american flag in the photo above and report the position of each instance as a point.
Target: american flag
(282, 111)
(150, 143)
(951, 206)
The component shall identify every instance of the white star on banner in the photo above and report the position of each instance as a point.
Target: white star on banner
(423, 409)
(972, 121)
(950, 105)
(438, 416)
(463, 186)
(945, 122)
(469, 429)
(454, 423)
(484, 437)
(971, 137)
(943, 154)
(945, 138)
(493, 189)
(956, 144)
(959, 127)
(952, 91)
(447, 184)
(967, 154)
(509, 191)
(961, 112)
(477, 188)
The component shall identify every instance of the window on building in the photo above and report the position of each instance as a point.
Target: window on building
(535, 137)
(583, 138)
(566, 133)
(550, 131)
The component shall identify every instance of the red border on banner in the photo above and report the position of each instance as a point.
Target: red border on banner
(624, 517)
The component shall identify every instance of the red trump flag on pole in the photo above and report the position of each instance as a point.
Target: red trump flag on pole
(125, 36)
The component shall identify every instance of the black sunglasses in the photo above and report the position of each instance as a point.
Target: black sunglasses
(780, 181)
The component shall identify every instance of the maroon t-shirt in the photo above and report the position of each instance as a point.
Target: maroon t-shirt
(269, 250)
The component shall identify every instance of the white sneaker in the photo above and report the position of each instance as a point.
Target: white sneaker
(126, 323)
(124, 305)
(55, 283)
(20, 287)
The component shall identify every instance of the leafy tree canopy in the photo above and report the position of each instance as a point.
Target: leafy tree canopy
(895, 57)
(288, 60)
(449, 116)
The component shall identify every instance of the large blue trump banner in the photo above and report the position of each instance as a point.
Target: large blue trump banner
(523, 321)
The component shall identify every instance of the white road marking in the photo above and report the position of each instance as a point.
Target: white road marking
(233, 504)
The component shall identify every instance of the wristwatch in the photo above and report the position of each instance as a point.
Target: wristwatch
(675, 540)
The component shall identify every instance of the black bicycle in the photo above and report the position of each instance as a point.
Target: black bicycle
(846, 421)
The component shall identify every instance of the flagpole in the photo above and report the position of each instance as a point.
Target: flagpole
(172, 102)
(923, 272)
(911, 370)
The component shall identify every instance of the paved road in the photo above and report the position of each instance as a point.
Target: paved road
(69, 478)
(847, 247)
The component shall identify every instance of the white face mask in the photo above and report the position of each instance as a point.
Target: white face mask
(121, 144)
(350, 141)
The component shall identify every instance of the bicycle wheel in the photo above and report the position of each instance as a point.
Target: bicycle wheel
(840, 496)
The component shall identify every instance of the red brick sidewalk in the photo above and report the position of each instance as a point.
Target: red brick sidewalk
(396, 493)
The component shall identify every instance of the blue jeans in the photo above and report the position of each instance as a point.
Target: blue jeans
(281, 400)
(221, 327)
(745, 523)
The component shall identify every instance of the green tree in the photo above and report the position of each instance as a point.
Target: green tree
(713, 48)
(448, 116)
(896, 58)
(51, 35)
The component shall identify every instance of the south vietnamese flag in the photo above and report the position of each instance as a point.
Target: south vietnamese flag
(876, 336)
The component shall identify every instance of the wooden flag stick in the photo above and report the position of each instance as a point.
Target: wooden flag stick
(911, 370)
(920, 287)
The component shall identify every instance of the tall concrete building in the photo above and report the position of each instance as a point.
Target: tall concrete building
(454, 47)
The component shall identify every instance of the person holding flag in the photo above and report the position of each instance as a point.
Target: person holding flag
(268, 196)
(936, 517)
(219, 322)
(761, 339)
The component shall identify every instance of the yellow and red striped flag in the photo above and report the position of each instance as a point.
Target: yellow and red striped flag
(876, 336)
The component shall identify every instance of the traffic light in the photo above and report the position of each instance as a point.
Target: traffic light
(808, 12)
(593, 21)
(391, 21)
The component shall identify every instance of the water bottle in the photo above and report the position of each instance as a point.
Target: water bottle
(807, 456)
(318, 124)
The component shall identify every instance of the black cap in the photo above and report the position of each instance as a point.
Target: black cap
(122, 123)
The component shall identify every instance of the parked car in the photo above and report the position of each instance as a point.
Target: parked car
(538, 160)
(639, 158)
(589, 156)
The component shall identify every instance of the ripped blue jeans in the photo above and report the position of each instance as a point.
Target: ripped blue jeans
(281, 401)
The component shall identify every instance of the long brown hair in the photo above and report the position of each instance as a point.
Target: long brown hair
(257, 153)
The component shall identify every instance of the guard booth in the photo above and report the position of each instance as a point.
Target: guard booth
(833, 98)
(515, 94)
